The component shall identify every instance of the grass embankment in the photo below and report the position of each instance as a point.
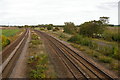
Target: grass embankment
(102, 51)
(38, 62)
(98, 55)
(7, 36)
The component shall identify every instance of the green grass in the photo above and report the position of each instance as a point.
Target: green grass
(9, 32)
(5, 36)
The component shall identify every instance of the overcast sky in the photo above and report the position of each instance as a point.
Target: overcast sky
(21, 12)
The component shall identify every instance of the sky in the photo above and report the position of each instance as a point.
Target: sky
(33, 12)
(119, 13)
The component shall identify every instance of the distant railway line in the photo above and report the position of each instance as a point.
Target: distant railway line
(11, 54)
(79, 66)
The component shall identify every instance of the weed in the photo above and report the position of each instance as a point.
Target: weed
(62, 36)
(5, 41)
(34, 37)
(105, 59)
(36, 42)
(115, 66)
(40, 66)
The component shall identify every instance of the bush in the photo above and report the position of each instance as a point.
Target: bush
(62, 36)
(5, 41)
(42, 28)
(105, 59)
(70, 28)
(49, 27)
(111, 36)
(79, 39)
(34, 36)
(107, 50)
(92, 27)
(36, 42)
(56, 29)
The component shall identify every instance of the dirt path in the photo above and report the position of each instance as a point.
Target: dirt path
(20, 69)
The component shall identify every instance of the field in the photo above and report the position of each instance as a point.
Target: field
(9, 32)
(7, 36)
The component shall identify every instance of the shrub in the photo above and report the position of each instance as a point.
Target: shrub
(36, 42)
(56, 29)
(34, 36)
(62, 36)
(105, 59)
(42, 28)
(49, 27)
(116, 54)
(90, 28)
(5, 41)
(79, 39)
(111, 36)
(70, 28)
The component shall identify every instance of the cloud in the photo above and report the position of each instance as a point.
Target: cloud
(55, 11)
(108, 5)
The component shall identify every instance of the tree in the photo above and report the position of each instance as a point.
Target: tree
(70, 28)
(50, 26)
(91, 28)
(104, 20)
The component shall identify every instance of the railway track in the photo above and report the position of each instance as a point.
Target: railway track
(79, 67)
(11, 54)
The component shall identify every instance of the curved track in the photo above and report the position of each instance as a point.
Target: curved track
(79, 66)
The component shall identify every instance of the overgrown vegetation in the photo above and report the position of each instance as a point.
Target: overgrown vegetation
(98, 56)
(38, 63)
(4, 41)
(50, 27)
(70, 28)
(111, 35)
(107, 50)
(38, 70)
(35, 40)
(92, 28)
(79, 39)
(85, 38)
